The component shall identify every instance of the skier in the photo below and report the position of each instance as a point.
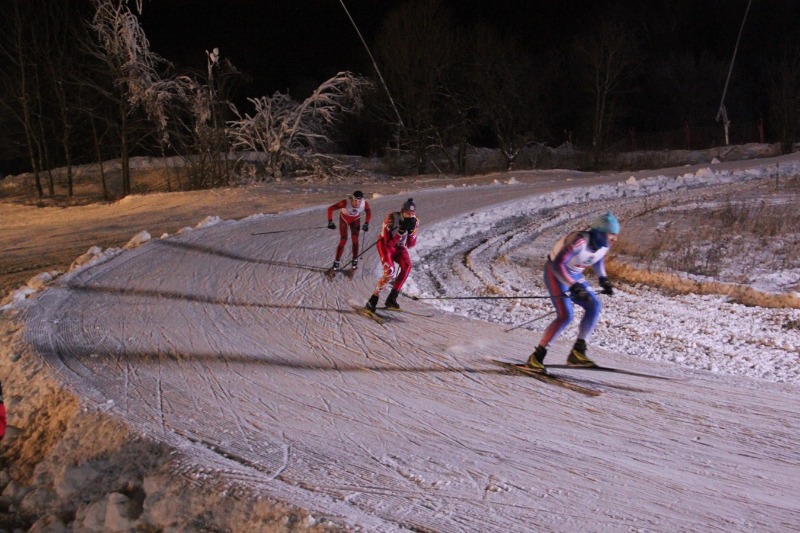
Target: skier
(349, 217)
(563, 272)
(398, 233)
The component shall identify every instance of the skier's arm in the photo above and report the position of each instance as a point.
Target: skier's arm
(600, 268)
(338, 205)
(389, 234)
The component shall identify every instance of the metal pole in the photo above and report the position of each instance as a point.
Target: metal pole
(286, 230)
(359, 255)
(480, 297)
(529, 321)
(722, 113)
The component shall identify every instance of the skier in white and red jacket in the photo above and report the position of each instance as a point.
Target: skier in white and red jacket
(350, 210)
(398, 234)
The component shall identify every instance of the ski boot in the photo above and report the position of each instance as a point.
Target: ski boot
(536, 360)
(336, 265)
(372, 303)
(354, 265)
(391, 300)
(577, 357)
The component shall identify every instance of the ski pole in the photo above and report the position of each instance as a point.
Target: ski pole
(285, 230)
(480, 297)
(359, 255)
(529, 321)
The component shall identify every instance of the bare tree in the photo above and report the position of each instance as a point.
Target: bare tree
(783, 87)
(53, 93)
(199, 122)
(125, 51)
(289, 133)
(18, 86)
(505, 88)
(688, 87)
(417, 49)
(59, 57)
(607, 59)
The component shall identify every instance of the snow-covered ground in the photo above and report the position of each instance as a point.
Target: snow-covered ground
(234, 350)
(504, 248)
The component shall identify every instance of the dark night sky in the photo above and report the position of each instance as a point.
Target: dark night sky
(296, 44)
(279, 43)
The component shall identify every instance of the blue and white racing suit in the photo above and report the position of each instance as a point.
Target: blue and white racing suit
(565, 265)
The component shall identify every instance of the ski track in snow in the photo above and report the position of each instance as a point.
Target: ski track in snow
(237, 351)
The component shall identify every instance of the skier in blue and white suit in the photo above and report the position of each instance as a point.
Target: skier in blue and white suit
(563, 277)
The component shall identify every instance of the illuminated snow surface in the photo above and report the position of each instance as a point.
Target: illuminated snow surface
(238, 352)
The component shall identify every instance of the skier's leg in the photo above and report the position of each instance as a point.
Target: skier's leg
(389, 270)
(563, 307)
(355, 228)
(388, 274)
(342, 239)
(404, 261)
(591, 314)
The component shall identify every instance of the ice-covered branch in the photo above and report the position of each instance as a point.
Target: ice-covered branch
(290, 133)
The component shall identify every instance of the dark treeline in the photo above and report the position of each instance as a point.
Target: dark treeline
(603, 76)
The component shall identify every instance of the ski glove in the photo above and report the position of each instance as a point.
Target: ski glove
(608, 288)
(365, 227)
(408, 224)
(578, 293)
(331, 225)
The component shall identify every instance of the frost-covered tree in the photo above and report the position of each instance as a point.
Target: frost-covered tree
(201, 136)
(125, 51)
(290, 134)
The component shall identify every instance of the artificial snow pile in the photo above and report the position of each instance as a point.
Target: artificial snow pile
(229, 347)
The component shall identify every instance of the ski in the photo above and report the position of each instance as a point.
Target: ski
(363, 311)
(331, 273)
(395, 310)
(598, 368)
(559, 381)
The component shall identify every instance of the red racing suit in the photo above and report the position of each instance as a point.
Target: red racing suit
(393, 248)
(349, 217)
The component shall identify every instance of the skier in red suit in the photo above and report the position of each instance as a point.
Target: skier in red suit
(350, 210)
(398, 234)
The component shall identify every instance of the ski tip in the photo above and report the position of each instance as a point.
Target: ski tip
(522, 367)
